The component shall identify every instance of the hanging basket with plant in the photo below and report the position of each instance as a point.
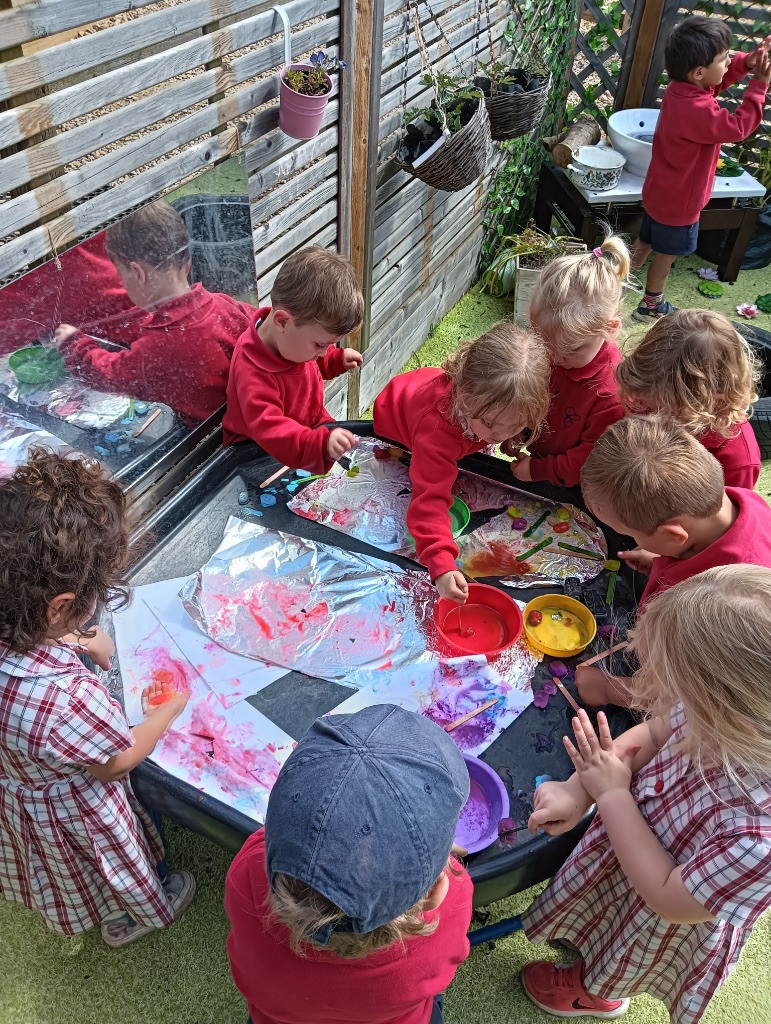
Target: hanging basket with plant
(515, 95)
(448, 143)
(304, 91)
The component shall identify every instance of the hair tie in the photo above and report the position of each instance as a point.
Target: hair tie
(598, 252)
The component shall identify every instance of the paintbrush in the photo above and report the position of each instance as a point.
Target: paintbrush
(471, 714)
(274, 476)
(563, 690)
(603, 654)
(150, 419)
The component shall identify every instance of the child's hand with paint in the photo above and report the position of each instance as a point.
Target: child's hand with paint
(558, 806)
(166, 695)
(352, 358)
(340, 442)
(452, 586)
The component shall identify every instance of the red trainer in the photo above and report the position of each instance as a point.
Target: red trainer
(560, 991)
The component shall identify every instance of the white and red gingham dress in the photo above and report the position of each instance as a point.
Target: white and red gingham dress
(71, 847)
(720, 835)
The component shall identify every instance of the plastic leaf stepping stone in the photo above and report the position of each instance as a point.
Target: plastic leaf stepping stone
(763, 302)
(712, 289)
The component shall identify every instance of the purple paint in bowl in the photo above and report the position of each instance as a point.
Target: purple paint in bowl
(488, 802)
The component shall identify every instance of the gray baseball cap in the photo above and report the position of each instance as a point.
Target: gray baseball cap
(364, 811)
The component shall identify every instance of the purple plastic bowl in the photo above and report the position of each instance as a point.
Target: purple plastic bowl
(488, 802)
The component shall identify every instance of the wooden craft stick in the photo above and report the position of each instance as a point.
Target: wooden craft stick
(603, 654)
(471, 714)
(562, 689)
(150, 419)
(274, 476)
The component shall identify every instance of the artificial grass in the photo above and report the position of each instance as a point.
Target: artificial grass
(181, 975)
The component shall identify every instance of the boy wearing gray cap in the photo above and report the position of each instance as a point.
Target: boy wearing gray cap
(347, 908)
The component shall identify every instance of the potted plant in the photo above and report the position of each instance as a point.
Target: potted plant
(515, 96)
(304, 91)
(519, 260)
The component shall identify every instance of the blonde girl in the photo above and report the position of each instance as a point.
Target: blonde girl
(488, 391)
(664, 888)
(576, 308)
(693, 366)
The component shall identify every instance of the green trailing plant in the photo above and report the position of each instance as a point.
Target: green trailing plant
(532, 248)
(312, 81)
(458, 98)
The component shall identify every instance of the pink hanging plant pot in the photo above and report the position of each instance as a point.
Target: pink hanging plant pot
(300, 115)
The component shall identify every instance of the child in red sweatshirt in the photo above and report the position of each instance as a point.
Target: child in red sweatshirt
(686, 146)
(695, 368)
(488, 391)
(648, 478)
(576, 308)
(276, 386)
(182, 347)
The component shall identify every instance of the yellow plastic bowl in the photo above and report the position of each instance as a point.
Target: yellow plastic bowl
(567, 604)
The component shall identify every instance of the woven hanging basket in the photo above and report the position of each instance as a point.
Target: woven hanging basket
(515, 114)
(461, 160)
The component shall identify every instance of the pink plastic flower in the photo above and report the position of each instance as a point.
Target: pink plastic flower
(748, 310)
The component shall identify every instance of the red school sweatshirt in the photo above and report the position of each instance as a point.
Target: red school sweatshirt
(584, 402)
(181, 355)
(738, 455)
(748, 541)
(690, 130)
(395, 985)
(278, 404)
(415, 411)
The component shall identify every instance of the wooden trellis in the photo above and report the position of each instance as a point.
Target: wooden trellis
(605, 43)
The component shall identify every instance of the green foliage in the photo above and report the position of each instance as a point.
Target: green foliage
(532, 247)
(763, 302)
(454, 94)
(312, 81)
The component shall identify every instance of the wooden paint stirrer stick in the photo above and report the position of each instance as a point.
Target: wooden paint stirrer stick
(604, 654)
(274, 476)
(563, 690)
(471, 714)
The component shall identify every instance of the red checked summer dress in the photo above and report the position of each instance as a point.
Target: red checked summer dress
(71, 847)
(720, 834)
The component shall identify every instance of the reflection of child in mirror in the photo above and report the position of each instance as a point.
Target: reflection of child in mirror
(276, 386)
(576, 308)
(182, 349)
(76, 845)
(488, 391)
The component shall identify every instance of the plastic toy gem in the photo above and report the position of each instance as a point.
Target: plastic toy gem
(302, 472)
(114, 435)
(540, 779)
(243, 497)
(253, 512)
(518, 523)
(556, 616)
(561, 527)
(563, 514)
(353, 471)
(512, 511)
(266, 500)
(101, 451)
(141, 408)
(541, 698)
(382, 454)
(613, 564)
(558, 669)
(534, 619)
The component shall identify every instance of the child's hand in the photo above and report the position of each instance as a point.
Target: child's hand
(352, 358)
(453, 586)
(99, 647)
(63, 332)
(521, 469)
(638, 559)
(513, 447)
(166, 696)
(754, 55)
(600, 770)
(763, 67)
(340, 442)
(556, 809)
(592, 685)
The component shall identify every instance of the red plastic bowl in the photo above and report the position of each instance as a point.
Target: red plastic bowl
(493, 616)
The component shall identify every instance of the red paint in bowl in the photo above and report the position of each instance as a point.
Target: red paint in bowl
(492, 616)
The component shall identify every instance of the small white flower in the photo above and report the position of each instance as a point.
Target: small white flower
(748, 310)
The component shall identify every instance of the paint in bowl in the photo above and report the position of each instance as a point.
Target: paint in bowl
(460, 515)
(489, 621)
(36, 366)
(558, 626)
(487, 803)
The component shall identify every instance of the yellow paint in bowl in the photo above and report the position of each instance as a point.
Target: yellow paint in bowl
(566, 628)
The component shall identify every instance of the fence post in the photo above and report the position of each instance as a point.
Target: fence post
(361, 131)
(658, 18)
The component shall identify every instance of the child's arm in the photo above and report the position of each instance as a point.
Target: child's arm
(337, 361)
(146, 736)
(559, 806)
(708, 122)
(648, 866)
(433, 472)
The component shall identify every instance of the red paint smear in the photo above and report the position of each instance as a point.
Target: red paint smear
(161, 698)
(342, 517)
(499, 560)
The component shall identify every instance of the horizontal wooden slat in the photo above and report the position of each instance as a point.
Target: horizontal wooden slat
(267, 208)
(277, 250)
(46, 17)
(283, 167)
(294, 213)
(327, 237)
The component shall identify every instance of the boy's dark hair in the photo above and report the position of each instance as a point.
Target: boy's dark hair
(63, 528)
(156, 234)
(315, 284)
(694, 44)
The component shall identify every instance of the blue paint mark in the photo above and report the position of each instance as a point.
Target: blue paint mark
(252, 512)
(303, 472)
(266, 500)
(243, 497)
(542, 778)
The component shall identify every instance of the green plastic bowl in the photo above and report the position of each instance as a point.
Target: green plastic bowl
(35, 365)
(460, 517)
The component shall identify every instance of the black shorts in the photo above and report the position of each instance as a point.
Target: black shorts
(667, 239)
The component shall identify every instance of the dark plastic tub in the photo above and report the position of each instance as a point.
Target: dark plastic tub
(221, 243)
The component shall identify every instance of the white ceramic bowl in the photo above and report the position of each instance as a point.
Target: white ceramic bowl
(597, 168)
(631, 133)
